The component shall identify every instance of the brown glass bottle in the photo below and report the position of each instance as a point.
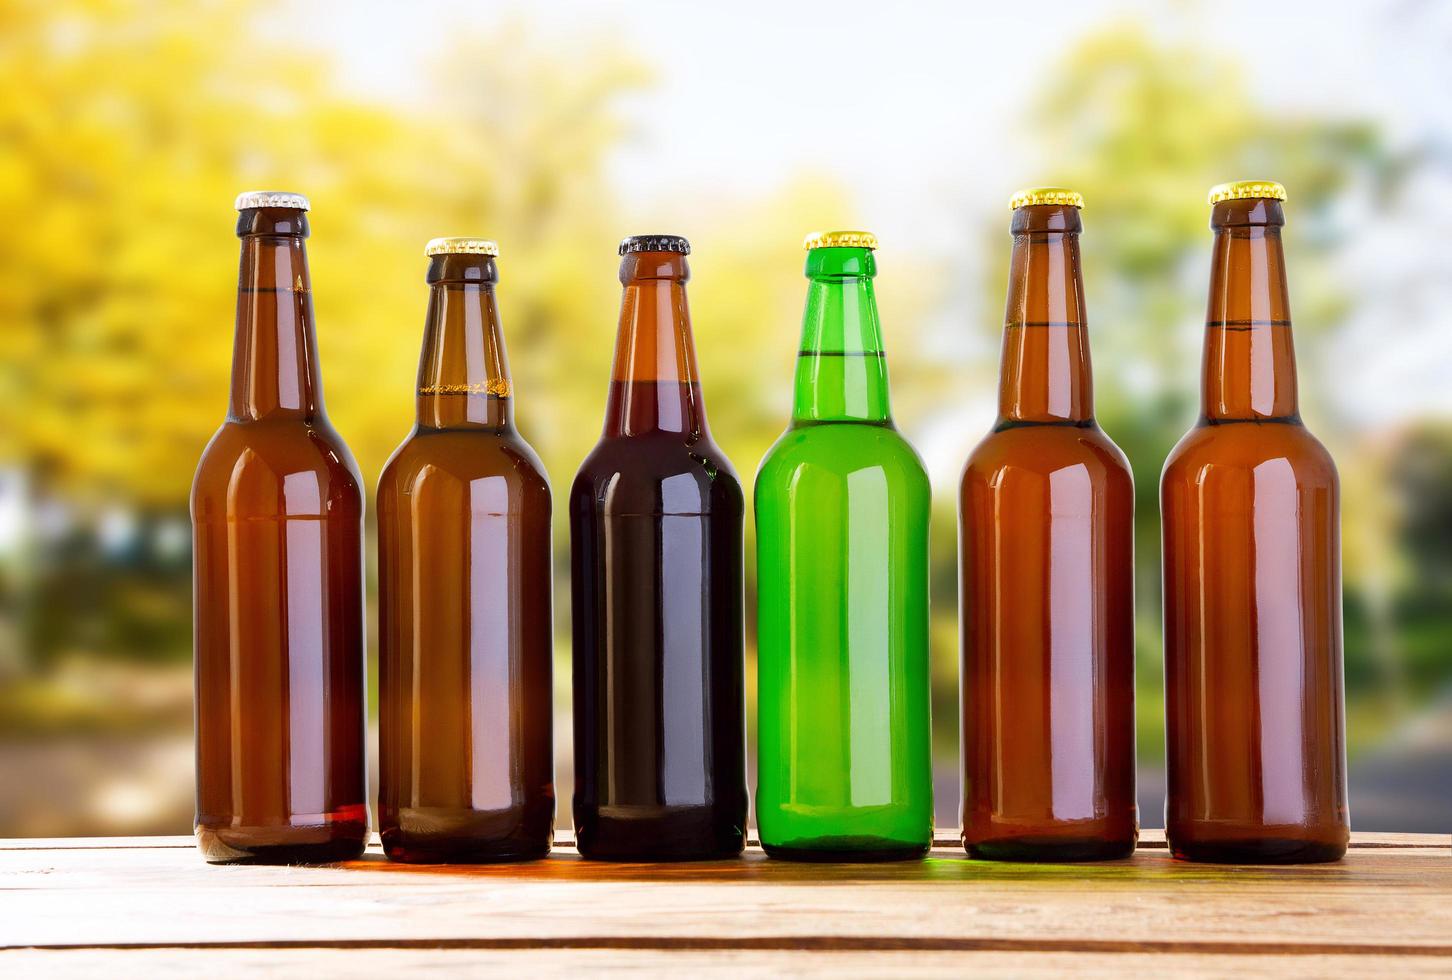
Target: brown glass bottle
(1046, 525)
(466, 767)
(1252, 579)
(655, 523)
(277, 524)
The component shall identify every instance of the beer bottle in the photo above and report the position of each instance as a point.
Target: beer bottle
(1252, 578)
(655, 525)
(277, 524)
(844, 767)
(1046, 524)
(465, 631)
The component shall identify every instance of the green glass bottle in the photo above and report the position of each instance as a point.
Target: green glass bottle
(844, 765)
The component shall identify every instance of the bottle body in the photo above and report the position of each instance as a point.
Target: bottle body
(659, 692)
(1046, 517)
(277, 520)
(1255, 729)
(465, 624)
(1253, 672)
(1046, 578)
(842, 508)
(844, 757)
(656, 537)
(466, 754)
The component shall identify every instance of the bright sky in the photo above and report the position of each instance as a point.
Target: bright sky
(751, 92)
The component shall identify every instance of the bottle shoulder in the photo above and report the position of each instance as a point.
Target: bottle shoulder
(842, 449)
(463, 456)
(1043, 450)
(657, 474)
(1243, 447)
(269, 468)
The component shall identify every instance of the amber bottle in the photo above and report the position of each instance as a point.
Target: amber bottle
(655, 540)
(1046, 525)
(1252, 578)
(277, 521)
(466, 768)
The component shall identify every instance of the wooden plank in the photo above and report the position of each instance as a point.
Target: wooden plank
(92, 843)
(313, 963)
(1380, 901)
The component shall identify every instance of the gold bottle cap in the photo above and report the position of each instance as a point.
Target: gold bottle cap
(1240, 190)
(461, 246)
(840, 239)
(1046, 195)
(270, 199)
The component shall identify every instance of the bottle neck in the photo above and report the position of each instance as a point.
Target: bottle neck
(1045, 374)
(275, 354)
(1249, 371)
(463, 372)
(841, 365)
(654, 384)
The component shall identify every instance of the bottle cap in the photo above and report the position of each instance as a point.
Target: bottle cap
(1046, 195)
(461, 246)
(655, 243)
(840, 239)
(1240, 190)
(270, 199)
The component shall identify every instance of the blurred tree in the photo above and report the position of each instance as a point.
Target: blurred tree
(1420, 483)
(132, 127)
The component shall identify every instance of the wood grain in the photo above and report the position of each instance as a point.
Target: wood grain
(312, 964)
(150, 905)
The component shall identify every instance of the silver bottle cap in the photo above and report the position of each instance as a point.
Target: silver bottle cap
(270, 199)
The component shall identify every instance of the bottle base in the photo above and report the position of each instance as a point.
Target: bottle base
(642, 855)
(1266, 850)
(658, 834)
(847, 850)
(1050, 850)
(448, 851)
(329, 843)
(452, 835)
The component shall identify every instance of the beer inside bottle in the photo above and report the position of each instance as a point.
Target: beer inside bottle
(277, 523)
(1046, 524)
(655, 537)
(844, 767)
(465, 630)
(1255, 726)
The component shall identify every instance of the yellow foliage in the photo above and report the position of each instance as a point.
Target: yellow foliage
(136, 123)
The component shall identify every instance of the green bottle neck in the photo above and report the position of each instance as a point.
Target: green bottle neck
(841, 367)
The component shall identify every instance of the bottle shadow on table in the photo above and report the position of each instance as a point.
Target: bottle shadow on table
(944, 863)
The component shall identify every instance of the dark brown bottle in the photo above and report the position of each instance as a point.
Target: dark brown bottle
(277, 524)
(1047, 579)
(465, 740)
(655, 523)
(1255, 726)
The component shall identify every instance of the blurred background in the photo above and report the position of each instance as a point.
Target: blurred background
(127, 127)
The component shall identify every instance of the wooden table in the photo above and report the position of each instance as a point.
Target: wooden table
(150, 906)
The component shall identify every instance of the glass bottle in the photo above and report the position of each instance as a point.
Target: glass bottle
(277, 526)
(842, 501)
(1046, 535)
(1255, 722)
(655, 540)
(466, 749)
